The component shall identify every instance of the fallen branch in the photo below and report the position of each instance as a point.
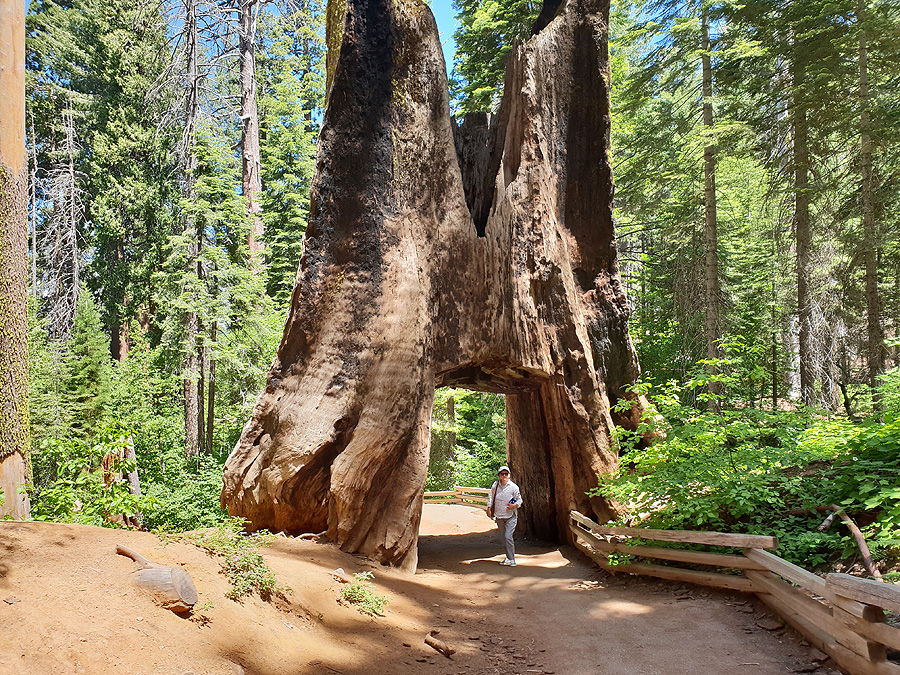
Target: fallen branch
(439, 645)
(854, 530)
(860, 541)
(826, 524)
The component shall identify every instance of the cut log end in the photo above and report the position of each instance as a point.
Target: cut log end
(439, 645)
(170, 587)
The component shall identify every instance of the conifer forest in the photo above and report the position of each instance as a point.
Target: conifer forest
(755, 149)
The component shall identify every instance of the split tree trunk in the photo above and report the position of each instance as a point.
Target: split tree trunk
(400, 289)
(14, 438)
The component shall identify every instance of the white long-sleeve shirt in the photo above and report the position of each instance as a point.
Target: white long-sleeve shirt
(502, 495)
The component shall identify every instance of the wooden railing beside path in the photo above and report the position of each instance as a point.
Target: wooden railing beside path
(469, 496)
(842, 615)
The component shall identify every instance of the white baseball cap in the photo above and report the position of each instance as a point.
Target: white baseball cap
(504, 468)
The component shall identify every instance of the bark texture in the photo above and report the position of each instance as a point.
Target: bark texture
(500, 277)
(14, 437)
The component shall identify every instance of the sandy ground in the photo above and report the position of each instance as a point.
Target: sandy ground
(67, 605)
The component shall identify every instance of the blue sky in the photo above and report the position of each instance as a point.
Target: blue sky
(446, 21)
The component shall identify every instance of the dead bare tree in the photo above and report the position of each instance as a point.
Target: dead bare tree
(60, 236)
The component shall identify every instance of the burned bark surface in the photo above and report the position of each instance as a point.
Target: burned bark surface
(480, 255)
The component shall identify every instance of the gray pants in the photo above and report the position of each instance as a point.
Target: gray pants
(507, 526)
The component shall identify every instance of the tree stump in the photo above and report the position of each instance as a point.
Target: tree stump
(478, 255)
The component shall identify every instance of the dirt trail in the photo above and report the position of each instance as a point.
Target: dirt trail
(67, 606)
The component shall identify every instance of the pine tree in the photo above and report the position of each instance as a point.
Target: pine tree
(487, 31)
(291, 61)
(86, 371)
(92, 67)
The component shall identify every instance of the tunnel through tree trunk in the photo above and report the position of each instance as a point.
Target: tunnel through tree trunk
(430, 262)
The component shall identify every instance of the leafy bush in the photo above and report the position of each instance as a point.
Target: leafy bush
(240, 561)
(186, 491)
(756, 471)
(73, 486)
(360, 594)
(866, 477)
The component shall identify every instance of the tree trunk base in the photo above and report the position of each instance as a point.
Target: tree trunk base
(13, 475)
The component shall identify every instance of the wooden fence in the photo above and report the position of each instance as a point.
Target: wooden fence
(842, 615)
(470, 496)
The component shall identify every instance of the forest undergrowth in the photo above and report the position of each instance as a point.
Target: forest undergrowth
(752, 469)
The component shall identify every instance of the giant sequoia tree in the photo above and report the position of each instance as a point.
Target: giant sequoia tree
(479, 256)
(14, 439)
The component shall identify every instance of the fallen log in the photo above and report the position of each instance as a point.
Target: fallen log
(171, 587)
(439, 645)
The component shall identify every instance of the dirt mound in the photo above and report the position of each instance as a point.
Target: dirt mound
(67, 605)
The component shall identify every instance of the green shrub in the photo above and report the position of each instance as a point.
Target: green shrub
(186, 493)
(756, 471)
(240, 561)
(359, 593)
(73, 489)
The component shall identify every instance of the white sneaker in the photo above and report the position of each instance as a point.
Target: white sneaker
(511, 563)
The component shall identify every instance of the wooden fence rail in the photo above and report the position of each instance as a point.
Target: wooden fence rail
(468, 496)
(842, 615)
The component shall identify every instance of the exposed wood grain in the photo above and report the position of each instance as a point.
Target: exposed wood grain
(878, 593)
(846, 658)
(439, 645)
(814, 612)
(869, 646)
(737, 562)
(878, 631)
(809, 581)
(473, 490)
(860, 610)
(171, 587)
(596, 556)
(789, 571)
(406, 283)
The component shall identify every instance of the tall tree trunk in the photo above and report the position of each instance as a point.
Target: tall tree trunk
(251, 180)
(14, 437)
(451, 422)
(191, 409)
(192, 106)
(202, 356)
(33, 201)
(211, 393)
(875, 347)
(119, 344)
(800, 127)
(134, 480)
(397, 292)
(710, 230)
